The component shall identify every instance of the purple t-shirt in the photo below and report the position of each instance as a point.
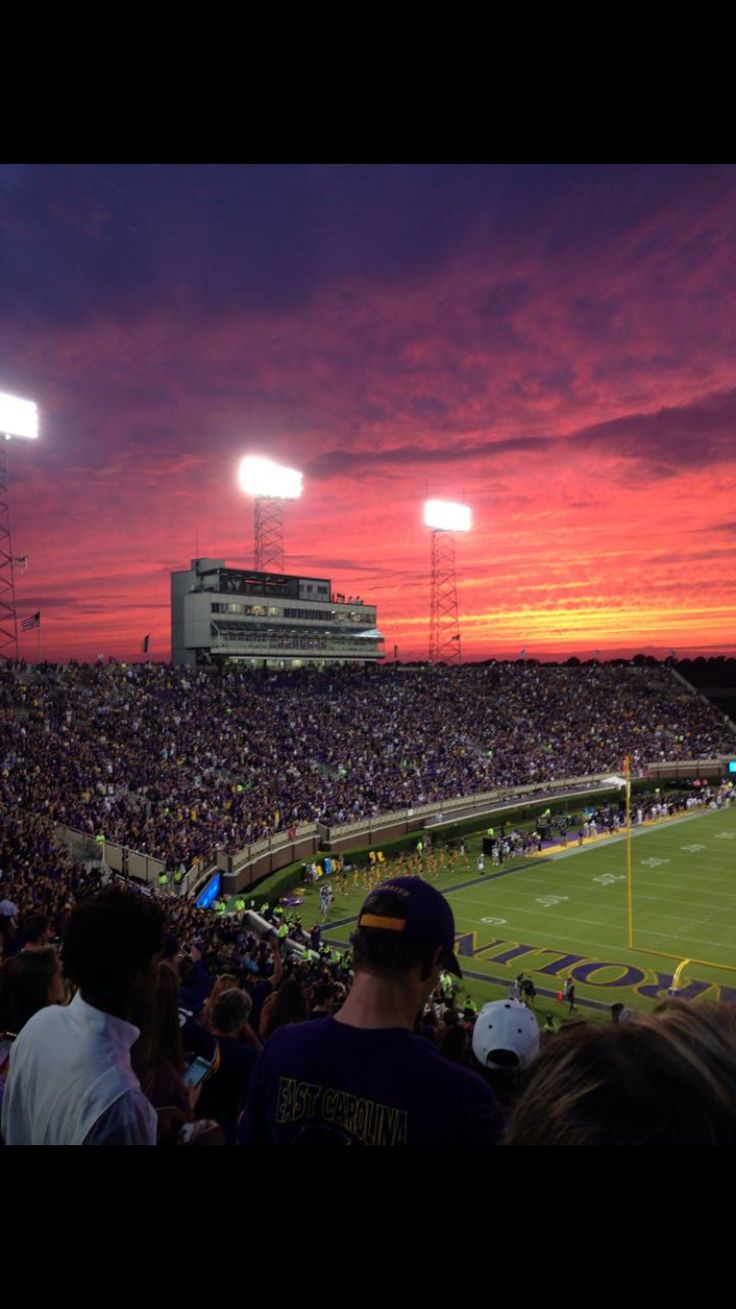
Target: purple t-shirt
(223, 1095)
(259, 993)
(324, 1083)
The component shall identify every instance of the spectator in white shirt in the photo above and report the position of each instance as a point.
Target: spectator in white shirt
(71, 1080)
(9, 910)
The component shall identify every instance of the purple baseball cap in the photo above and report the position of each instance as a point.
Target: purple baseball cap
(417, 910)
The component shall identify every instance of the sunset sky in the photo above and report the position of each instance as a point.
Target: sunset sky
(556, 345)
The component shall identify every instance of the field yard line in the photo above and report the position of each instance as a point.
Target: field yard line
(590, 922)
(706, 882)
(694, 904)
(679, 918)
(662, 825)
(699, 886)
(570, 919)
(582, 886)
(699, 940)
(568, 910)
(655, 899)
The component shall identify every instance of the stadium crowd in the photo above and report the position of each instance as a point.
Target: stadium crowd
(128, 1036)
(132, 1016)
(181, 763)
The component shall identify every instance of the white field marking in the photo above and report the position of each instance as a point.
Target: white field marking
(636, 832)
(661, 916)
(693, 849)
(533, 877)
(683, 891)
(516, 908)
(725, 836)
(653, 862)
(706, 869)
(549, 900)
(680, 888)
(494, 922)
(687, 924)
(580, 901)
(573, 918)
(587, 922)
(703, 864)
(689, 940)
(589, 945)
(593, 922)
(520, 895)
(711, 910)
(714, 915)
(668, 886)
(606, 879)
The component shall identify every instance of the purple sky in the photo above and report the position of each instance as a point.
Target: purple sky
(555, 345)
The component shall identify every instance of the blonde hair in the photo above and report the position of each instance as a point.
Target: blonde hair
(667, 1078)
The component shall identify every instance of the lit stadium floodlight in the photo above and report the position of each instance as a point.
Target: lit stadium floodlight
(18, 417)
(444, 516)
(270, 485)
(263, 478)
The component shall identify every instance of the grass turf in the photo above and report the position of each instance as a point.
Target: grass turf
(565, 913)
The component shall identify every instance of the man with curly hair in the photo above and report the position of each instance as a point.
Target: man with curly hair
(71, 1080)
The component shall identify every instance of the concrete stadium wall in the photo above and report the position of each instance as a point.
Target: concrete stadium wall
(685, 768)
(133, 863)
(249, 865)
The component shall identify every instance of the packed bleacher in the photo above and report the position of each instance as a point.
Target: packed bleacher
(181, 763)
(155, 1022)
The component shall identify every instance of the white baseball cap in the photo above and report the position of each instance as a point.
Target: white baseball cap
(506, 1035)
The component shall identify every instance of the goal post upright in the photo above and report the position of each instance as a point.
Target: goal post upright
(629, 874)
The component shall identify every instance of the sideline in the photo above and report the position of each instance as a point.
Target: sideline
(536, 861)
(641, 829)
(463, 886)
(555, 853)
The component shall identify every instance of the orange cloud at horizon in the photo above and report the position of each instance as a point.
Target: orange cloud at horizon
(571, 374)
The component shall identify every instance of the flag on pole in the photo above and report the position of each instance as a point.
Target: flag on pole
(146, 643)
(28, 624)
(522, 653)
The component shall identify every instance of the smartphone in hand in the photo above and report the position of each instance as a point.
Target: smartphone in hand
(198, 1069)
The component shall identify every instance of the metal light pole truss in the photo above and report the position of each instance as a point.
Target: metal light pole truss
(269, 534)
(444, 619)
(8, 615)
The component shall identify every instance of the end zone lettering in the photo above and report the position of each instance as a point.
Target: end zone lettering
(647, 982)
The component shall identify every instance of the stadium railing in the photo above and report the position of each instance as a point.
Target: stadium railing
(250, 864)
(682, 768)
(82, 846)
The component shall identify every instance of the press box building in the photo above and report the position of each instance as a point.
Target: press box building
(234, 615)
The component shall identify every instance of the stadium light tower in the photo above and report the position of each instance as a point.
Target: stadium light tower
(270, 485)
(18, 418)
(444, 519)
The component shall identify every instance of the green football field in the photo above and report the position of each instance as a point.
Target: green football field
(566, 914)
